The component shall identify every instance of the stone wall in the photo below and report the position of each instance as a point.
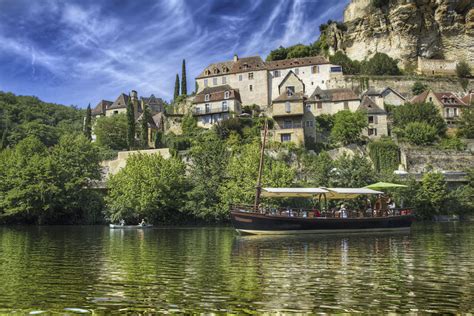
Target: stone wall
(402, 84)
(417, 160)
(433, 67)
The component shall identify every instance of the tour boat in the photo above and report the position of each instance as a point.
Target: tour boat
(118, 226)
(261, 219)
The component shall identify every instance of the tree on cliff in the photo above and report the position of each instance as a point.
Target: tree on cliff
(130, 125)
(176, 87)
(380, 65)
(88, 123)
(348, 127)
(184, 89)
(349, 67)
(418, 88)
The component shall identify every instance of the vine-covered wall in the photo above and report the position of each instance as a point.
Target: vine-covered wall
(385, 155)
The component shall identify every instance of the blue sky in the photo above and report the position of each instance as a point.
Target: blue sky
(81, 51)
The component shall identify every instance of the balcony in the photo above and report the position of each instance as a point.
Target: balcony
(198, 111)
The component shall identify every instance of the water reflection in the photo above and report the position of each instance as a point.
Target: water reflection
(214, 270)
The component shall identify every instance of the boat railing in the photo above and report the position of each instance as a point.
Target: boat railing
(315, 213)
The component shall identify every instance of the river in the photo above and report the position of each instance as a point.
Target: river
(94, 269)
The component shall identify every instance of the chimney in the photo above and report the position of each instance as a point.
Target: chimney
(134, 95)
(236, 58)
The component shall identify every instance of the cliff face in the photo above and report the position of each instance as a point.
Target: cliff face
(406, 29)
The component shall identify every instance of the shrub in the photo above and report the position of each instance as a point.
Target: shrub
(463, 70)
(452, 143)
(418, 88)
(348, 127)
(466, 123)
(380, 64)
(384, 154)
(418, 112)
(419, 133)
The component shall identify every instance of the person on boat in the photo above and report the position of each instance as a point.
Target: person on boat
(122, 222)
(343, 211)
(142, 223)
(391, 206)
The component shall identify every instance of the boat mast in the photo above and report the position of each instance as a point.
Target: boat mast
(260, 166)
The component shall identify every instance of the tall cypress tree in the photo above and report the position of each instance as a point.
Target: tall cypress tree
(176, 87)
(88, 123)
(130, 125)
(144, 130)
(184, 88)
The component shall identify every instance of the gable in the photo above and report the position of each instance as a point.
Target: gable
(291, 80)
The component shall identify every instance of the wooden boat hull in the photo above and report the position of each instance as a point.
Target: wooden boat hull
(113, 226)
(263, 224)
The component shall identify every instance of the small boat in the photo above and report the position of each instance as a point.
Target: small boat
(264, 220)
(118, 226)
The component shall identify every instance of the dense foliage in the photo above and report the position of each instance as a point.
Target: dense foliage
(384, 154)
(418, 88)
(463, 70)
(381, 65)
(349, 66)
(418, 133)
(418, 112)
(348, 127)
(23, 116)
(111, 131)
(131, 128)
(47, 186)
(466, 123)
(184, 84)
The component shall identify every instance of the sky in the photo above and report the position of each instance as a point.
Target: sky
(76, 52)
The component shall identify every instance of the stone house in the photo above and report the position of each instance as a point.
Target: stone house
(214, 104)
(376, 118)
(385, 96)
(287, 111)
(449, 105)
(436, 67)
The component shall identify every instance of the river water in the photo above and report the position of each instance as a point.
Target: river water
(94, 269)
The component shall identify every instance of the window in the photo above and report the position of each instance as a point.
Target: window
(287, 107)
(276, 73)
(240, 77)
(309, 123)
(207, 119)
(297, 71)
(250, 75)
(224, 80)
(336, 69)
(346, 105)
(208, 108)
(455, 111)
(214, 81)
(431, 99)
(115, 112)
(371, 120)
(285, 138)
(224, 106)
(372, 132)
(319, 105)
(250, 88)
(206, 97)
(308, 107)
(205, 82)
(288, 124)
(315, 69)
(225, 116)
(290, 90)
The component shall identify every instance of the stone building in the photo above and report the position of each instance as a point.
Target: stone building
(214, 104)
(386, 95)
(449, 105)
(436, 67)
(376, 118)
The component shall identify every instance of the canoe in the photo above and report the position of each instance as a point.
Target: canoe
(117, 226)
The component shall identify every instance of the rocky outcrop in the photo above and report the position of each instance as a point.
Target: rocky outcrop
(406, 29)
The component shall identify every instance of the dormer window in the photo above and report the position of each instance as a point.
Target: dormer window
(216, 71)
(290, 90)
(246, 66)
(208, 72)
(226, 95)
(207, 97)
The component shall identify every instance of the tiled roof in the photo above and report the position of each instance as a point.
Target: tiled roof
(121, 102)
(420, 98)
(101, 107)
(155, 104)
(369, 106)
(333, 95)
(296, 62)
(468, 99)
(232, 67)
(298, 96)
(217, 94)
(445, 98)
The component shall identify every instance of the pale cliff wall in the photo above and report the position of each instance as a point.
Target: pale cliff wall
(406, 29)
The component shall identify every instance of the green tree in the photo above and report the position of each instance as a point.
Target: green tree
(48, 134)
(184, 89)
(466, 123)
(352, 172)
(384, 154)
(299, 51)
(348, 127)
(148, 187)
(277, 54)
(131, 132)
(418, 88)
(463, 70)
(111, 132)
(381, 65)
(146, 117)
(418, 112)
(431, 195)
(209, 156)
(88, 123)
(316, 169)
(189, 125)
(349, 66)
(419, 133)
(242, 170)
(176, 87)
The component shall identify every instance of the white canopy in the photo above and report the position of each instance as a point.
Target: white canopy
(330, 193)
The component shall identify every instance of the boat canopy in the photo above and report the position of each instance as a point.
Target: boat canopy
(329, 193)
